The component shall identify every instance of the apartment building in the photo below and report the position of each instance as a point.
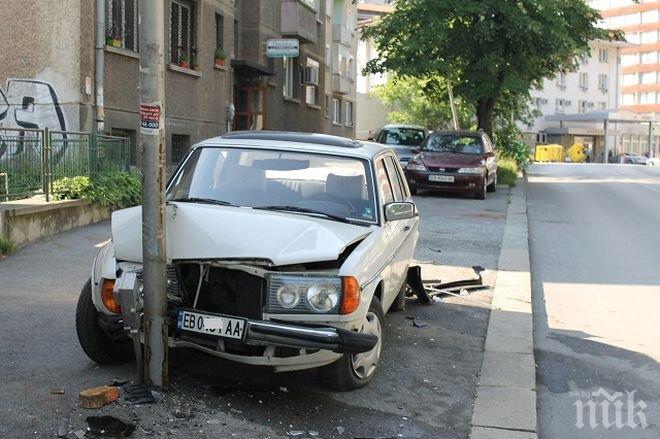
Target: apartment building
(373, 114)
(640, 71)
(216, 67)
(591, 88)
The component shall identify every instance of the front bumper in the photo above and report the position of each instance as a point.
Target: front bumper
(461, 183)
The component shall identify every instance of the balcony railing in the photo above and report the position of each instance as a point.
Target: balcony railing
(341, 84)
(298, 21)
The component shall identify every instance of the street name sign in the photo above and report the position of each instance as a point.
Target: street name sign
(283, 48)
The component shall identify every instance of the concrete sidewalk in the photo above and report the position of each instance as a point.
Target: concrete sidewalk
(506, 398)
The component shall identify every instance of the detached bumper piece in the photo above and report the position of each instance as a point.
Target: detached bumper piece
(334, 339)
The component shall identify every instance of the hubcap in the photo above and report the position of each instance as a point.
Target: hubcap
(364, 364)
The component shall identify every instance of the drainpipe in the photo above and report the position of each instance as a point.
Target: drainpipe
(99, 64)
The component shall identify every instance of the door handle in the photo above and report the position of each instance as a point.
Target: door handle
(405, 229)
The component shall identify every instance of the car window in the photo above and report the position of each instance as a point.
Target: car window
(402, 179)
(454, 143)
(401, 136)
(335, 185)
(394, 179)
(386, 193)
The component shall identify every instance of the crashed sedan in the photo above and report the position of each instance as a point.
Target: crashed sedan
(283, 250)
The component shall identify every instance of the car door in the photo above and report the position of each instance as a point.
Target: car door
(399, 233)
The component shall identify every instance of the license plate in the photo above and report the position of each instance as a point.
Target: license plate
(221, 326)
(441, 178)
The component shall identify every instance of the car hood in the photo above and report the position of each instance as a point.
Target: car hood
(450, 160)
(201, 231)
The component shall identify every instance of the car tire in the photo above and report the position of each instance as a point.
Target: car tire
(353, 371)
(399, 303)
(481, 194)
(493, 186)
(98, 346)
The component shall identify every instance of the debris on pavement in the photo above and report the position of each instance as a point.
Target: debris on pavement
(109, 426)
(117, 382)
(138, 394)
(183, 414)
(419, 324)
(80, 434)
(57, 391)
(340, 430)
(97, 397)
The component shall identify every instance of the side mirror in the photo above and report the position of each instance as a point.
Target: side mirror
(489, 154)
(399, 211)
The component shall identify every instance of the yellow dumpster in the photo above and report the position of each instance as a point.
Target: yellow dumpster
(549, 153)
(577, 153)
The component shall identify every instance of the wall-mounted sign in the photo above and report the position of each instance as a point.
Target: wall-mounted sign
(283, 48)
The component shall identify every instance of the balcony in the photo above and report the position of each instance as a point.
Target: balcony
(298, 21)
(342, 35)
(341, 84)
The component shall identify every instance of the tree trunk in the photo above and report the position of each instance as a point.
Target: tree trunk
(485, 111)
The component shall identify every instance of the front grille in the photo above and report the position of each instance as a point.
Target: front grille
(224, 291)
(441, 169)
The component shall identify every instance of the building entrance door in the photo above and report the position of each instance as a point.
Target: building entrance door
(250, 108)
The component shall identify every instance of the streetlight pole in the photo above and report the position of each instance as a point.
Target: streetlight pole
(152, 142)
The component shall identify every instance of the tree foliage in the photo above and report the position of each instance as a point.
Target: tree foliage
(488, 49)
(421, 101)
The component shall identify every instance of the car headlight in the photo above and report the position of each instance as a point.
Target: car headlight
(301, 294)
(471, 171)
(416, 166)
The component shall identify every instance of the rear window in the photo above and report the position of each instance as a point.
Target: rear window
(401, 136)
(454, 143)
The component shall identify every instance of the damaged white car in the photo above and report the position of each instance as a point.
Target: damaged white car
(284, 250)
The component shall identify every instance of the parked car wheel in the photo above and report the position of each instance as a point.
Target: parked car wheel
(493, 186)
(481, 194)
(353, 371)
(97, 344)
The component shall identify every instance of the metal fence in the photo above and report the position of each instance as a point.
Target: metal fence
(31, 159)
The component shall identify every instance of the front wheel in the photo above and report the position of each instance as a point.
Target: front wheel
(98, 346)
(353, 371)
(481, 193)
(493, 186)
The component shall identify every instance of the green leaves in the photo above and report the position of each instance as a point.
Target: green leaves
(486, 48)
(117, 190)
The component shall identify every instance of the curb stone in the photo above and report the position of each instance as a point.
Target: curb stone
(505, 406)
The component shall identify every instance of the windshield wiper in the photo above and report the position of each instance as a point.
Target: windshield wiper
(202, 200)
(305, 210)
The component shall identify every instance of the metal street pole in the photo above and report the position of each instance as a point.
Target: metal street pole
(454, 116)
(152, 142)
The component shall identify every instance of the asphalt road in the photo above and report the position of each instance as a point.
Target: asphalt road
(595, 255)
(424, 389)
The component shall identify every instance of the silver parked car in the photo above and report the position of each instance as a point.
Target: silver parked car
(403, 139)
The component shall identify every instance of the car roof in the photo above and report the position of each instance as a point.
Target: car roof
(293, 141)
(401, 125)
(459, 132)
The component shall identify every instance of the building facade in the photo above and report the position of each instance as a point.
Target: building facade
(216, 68)
(593, 87)
(373, 114)
(640, 71)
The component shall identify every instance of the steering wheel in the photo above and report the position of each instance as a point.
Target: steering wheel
(334, 199)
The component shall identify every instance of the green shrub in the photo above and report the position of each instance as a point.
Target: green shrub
(117, 189)
(6, 246)
(516, 151)
(507, 172)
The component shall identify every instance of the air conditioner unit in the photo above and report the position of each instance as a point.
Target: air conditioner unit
(310, 75)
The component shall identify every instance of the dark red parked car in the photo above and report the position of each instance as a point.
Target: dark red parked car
(454, 161)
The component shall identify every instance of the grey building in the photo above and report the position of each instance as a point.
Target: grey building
(215, 57)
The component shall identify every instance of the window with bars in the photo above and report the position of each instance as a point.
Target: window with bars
(349, 114)
(121, 24)
(336, 111)
(182, 32)
(219, 32)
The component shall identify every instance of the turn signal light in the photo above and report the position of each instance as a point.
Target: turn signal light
(108, 297)
(350, 298)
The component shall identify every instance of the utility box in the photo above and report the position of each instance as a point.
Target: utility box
(577, 153)
(549, 153)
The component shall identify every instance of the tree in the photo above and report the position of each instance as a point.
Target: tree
(421, 101)
(488, 49)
